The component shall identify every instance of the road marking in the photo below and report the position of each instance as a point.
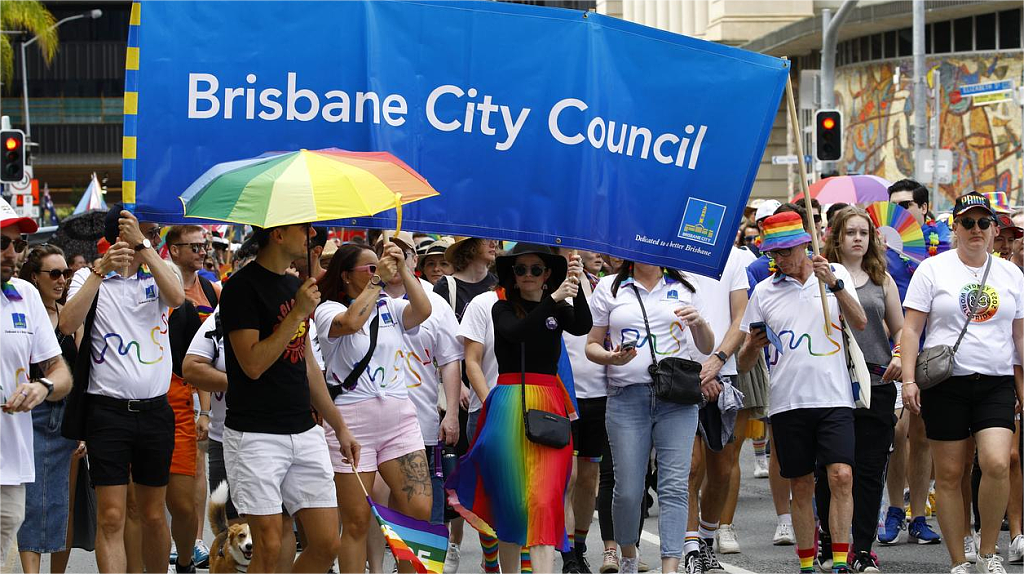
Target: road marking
(656, 540)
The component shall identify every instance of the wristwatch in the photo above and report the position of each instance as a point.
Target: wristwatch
(376, 281)
(146, 244)
(839, 286)
(46, 383)
(722, 356)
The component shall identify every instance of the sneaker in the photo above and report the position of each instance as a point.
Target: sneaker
(451, 560)
(841, 570)
(783, 535)
(895, 520)
(761, 467)
(921, 533)
(641, 566)
(582, 565)
(174, 554)
(970, 549)
(824, 557)
(964, 568)
(201, 554)
(707, 556)
(609, 561)
(569, 565)
(629, 565)
(727, 543)
(692, 564)
(864, 562)
(1017, 550)
(991, 564)
(190, 568)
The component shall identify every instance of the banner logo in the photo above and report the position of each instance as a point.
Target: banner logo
(701, 221)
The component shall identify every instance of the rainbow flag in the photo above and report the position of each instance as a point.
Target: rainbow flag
(421, 543)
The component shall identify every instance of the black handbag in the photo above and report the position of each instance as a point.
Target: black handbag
(75, 409)
(542, 427)
(676, 380)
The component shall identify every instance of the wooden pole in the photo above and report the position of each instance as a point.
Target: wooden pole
(798, 133)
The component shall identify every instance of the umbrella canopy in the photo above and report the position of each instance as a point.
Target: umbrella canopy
(285, 188)
(850, 189)
(79, 233)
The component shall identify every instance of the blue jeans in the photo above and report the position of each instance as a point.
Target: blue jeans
(637, 421)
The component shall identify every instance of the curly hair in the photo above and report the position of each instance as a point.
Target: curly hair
(34, 260)
(874, 263)
(466, 253)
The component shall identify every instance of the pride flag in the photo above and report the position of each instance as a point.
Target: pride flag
(421, 543)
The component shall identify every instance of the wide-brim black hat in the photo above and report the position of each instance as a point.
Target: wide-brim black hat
(553, 261)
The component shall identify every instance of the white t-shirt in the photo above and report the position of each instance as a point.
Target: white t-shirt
(811, 370)
(943, 286)
(589, 378)
(131, 353)
(28, 338)
(207, 347)
(385, 374)
(716, 296)
(428, 347)
(622, 315)
(478, 325)
(314, 342)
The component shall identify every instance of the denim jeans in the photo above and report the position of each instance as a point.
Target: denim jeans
(637, 421)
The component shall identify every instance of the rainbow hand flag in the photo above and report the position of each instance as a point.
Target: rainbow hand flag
(421, 543)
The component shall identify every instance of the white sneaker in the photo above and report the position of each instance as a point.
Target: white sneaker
(1017, 550)
(727, 543)
(970, 548)
(760, 467)
(991, 564)
(628, 565)
(451, 560)
(964, 568)
(783, 535)
(977, 542)
(609, 561)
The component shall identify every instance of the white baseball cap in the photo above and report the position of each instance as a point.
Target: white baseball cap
(10, 217)
(766, 209)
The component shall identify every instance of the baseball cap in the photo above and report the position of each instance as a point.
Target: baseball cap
(766, 209)
(971, 200)
(1006, 222)
(9, 217)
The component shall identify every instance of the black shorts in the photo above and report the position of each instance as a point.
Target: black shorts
(119, 441)
(590, 439)
(806, 437)
(958, 407)
(218, 473)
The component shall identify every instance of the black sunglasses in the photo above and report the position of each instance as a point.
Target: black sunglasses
(906, 204)
(535, 270)
(153, 234)
(19, 244)
(196, 247)
(56, 273)
(983, 223)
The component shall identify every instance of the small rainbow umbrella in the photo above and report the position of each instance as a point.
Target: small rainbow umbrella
(850, 189)
(305, 186)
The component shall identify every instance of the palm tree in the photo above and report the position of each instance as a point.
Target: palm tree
(32, 17)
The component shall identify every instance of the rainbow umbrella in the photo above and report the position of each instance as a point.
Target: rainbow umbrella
(305, 186)
(849, 189)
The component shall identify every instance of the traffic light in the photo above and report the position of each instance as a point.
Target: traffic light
(829, 135)
(12, 160)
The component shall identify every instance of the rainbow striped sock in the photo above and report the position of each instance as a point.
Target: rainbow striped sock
(572, 540)
(839, 552)
(691, 543)
(806, 559)
(489, 544)
(526, 565)
(759, 446)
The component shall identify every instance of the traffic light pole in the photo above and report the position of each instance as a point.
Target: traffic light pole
(829, 39)
(920, 88)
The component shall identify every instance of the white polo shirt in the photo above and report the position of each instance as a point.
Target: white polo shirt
(385, 375)
(478, 325)
(589, 378)
(28, 338)
(131, 353)
(207, 348)
(943, 286)
(428, 347)
(811, 370)
(622, 315)
(716, 294)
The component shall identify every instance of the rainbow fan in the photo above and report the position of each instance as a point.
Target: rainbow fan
(902, 233)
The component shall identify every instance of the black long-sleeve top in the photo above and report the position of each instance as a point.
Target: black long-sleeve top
(541, 330)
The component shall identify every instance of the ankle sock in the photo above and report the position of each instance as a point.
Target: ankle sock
(706, 530)
(839, 552)
(525, 565)
(691, 542)
(786, 519)
(806, 559)
(489, 544)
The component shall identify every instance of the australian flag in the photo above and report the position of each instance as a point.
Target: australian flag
(49, 214)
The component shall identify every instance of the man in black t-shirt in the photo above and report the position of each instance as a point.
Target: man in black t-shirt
(274, 452)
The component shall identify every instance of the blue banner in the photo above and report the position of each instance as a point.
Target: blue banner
(535, 124)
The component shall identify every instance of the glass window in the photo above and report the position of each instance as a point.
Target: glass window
(1009, 29)
(943, 37)
(854, 51)
(985, 32)
(876, 47)
(963, 35)
(928, 40)
(865, 50)
(905, 39)
(890, 44)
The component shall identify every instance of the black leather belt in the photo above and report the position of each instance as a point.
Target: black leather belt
(131, 405)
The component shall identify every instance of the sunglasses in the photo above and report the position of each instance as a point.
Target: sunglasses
(535, 270)
(56, 273)
(906, 204)
(196, 247)
(153, 234)
(983, 223)
(371, 268)
(19, 244)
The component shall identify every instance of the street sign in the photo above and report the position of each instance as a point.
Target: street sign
(986, 88)
(991, 98)
(23, 187)
(929, 162)
(784, 160)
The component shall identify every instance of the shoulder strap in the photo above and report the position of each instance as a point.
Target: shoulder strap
(208, 290)
(973, 305)
(647, 326)
(451, 291)
(83, 361)
(352, 377)
(522, 377)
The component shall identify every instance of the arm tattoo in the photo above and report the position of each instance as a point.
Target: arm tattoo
(50, 364)
(415, 475)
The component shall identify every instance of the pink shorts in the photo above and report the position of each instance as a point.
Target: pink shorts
(386, 429)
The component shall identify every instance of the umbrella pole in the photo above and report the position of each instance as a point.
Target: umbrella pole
(795, 119)
(309, 253)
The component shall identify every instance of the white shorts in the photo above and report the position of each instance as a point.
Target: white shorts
(268, 470)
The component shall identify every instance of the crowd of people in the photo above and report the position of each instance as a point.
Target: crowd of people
(514, 388)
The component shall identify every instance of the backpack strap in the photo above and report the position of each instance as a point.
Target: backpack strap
(208, 290)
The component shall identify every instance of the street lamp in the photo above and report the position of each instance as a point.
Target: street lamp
(92, 14)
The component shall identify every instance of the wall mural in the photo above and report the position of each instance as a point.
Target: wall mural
(985, 140)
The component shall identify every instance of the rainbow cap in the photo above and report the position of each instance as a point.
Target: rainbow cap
(784, 230)
(1000, 204)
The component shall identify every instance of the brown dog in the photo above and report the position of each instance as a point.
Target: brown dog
(231, 550)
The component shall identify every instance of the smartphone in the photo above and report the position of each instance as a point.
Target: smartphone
(758, 326)
(628, 346)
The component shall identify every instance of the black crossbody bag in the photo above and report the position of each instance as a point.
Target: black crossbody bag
(350, 381)
(676, 380)
(542, 427)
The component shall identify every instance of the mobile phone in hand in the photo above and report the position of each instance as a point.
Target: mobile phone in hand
(758, 326)
(628, 346)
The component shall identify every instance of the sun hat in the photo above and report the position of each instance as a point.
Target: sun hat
(766, 209)
(971, 200)
(783, 231)
(436, 247)
(403, 239)
(556, 263)
(998, 201)
(9, 217)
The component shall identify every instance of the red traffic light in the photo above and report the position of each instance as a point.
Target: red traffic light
(11, 144)
(828, 123)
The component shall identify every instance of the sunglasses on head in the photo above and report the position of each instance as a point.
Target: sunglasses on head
(535, 270)
(371, 268)
(983, 223)
(196, 247)
(19, 244)
(906, 204)
(56, 273)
